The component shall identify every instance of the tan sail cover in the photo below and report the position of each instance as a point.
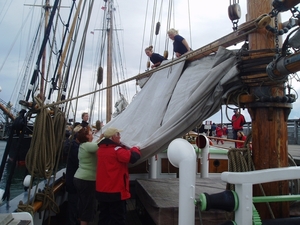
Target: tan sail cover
(175, 100)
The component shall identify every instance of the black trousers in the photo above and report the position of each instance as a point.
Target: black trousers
(112, 213)
(72, 209)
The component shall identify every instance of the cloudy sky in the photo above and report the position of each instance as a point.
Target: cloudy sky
(199, 23)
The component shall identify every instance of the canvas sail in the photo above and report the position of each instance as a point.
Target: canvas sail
(175, 100)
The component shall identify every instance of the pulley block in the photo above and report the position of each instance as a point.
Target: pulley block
(157, 28)
(264, 21)
(100, 75)
(234, 12)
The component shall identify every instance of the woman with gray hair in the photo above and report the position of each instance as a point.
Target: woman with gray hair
(112, 177)
(180, 45)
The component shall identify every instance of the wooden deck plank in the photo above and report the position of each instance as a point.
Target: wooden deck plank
(159, 197)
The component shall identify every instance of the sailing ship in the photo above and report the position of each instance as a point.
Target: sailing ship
(165, 109)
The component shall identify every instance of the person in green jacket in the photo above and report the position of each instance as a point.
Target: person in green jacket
(85, 176)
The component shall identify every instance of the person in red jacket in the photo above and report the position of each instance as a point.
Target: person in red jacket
(112, 177)
(241, 137)
(225, 132)
(219, 133)
(238, 120)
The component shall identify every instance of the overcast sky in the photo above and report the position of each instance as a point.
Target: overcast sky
(208, 22)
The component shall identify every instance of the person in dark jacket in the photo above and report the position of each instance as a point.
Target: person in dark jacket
(85, 119)
(112, 177)
(180, 45)
(155, 58)
(72, 145)
(72, 166)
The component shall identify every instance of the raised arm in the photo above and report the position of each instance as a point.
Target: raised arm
(184, 42)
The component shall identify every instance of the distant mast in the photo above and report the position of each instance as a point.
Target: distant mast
(110, 9)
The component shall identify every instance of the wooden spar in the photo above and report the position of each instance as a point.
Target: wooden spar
(109, 62)
(291, 64)
(7, 112)
(67, 47)
(42, 83)
(269, 121)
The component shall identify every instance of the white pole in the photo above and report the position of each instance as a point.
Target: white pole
(181, 154)
(203, 144)
(153, 168)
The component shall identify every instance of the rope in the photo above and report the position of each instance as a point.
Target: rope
(190, 28)
(142, 49)
(240, 160)
(234, 97)
(237, 162)
(59, 127)
(43, 155)
(25, 208)
(48, 199)
(170, 7)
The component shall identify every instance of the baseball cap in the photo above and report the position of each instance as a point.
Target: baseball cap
(111, 131)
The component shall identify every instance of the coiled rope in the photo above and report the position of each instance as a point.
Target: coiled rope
(43, 155)
(240, 160)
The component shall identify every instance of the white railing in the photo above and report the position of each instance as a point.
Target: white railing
(243, 187)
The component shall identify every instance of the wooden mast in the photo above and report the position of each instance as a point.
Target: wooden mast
(42, 83)
(109, 62)
(269, 119)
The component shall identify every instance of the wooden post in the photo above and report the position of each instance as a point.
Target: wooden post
(269, 121)
(109, 63)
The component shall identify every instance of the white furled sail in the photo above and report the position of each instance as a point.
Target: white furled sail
(175, 100)
(120, 105)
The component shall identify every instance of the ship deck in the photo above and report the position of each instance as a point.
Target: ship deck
(155, 201)
(133, 217)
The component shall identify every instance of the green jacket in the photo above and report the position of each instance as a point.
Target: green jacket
(87, 161)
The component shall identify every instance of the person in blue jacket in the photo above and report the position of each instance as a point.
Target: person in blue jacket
(180, 45)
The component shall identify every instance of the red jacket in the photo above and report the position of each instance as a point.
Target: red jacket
(240, 145)
(219, 131)
(225, 131)
(238, 122)
(112, 178)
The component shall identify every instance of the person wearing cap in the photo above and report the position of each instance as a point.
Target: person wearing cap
(237, 120)
(112, 177)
